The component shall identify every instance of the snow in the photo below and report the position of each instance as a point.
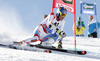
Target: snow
(91, 45)
(11, 29)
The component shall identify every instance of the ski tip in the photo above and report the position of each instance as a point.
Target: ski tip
(48, 51)
(81, 52)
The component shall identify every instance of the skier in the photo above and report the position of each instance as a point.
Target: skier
(50, 29)
(80, 27)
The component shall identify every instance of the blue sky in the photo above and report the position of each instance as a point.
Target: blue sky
(30, 13)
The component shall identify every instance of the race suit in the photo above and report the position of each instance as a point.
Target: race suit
(44, 30)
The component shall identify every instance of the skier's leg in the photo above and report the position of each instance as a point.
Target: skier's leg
(35, 37)
(49, 42)
(53, 36)
(29, 40)
(95, 35)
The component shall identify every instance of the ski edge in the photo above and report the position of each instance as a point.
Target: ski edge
(17, 48)
(61, 50)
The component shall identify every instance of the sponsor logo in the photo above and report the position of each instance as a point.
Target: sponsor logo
(88, 12)
(88, 6)
(68, 1)
(64, 12)
(70, 9)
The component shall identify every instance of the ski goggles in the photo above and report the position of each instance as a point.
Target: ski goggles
(63, 15)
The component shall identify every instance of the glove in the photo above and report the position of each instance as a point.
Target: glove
(48, 30)
(60, 45)
(61, 33)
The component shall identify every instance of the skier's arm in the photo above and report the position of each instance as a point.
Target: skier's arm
(51, 16)
(60, 33)
(62, 26)
(48, 24)
(52, 26)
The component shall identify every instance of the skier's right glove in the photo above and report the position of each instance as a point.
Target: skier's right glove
(61, 33)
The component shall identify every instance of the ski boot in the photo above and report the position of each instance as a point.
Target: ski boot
(59, 45)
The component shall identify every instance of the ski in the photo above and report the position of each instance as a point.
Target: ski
(26, 48)
(40, 48)
(60, 50)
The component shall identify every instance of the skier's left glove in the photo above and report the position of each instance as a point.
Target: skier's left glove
(60, 45)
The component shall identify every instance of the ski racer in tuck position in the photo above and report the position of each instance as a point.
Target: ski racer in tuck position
(50, 29)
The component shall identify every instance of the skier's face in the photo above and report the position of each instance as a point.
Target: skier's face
(61, 18)
(91, 18)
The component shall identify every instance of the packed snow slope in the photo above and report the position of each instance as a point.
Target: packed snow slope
(91, 45)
